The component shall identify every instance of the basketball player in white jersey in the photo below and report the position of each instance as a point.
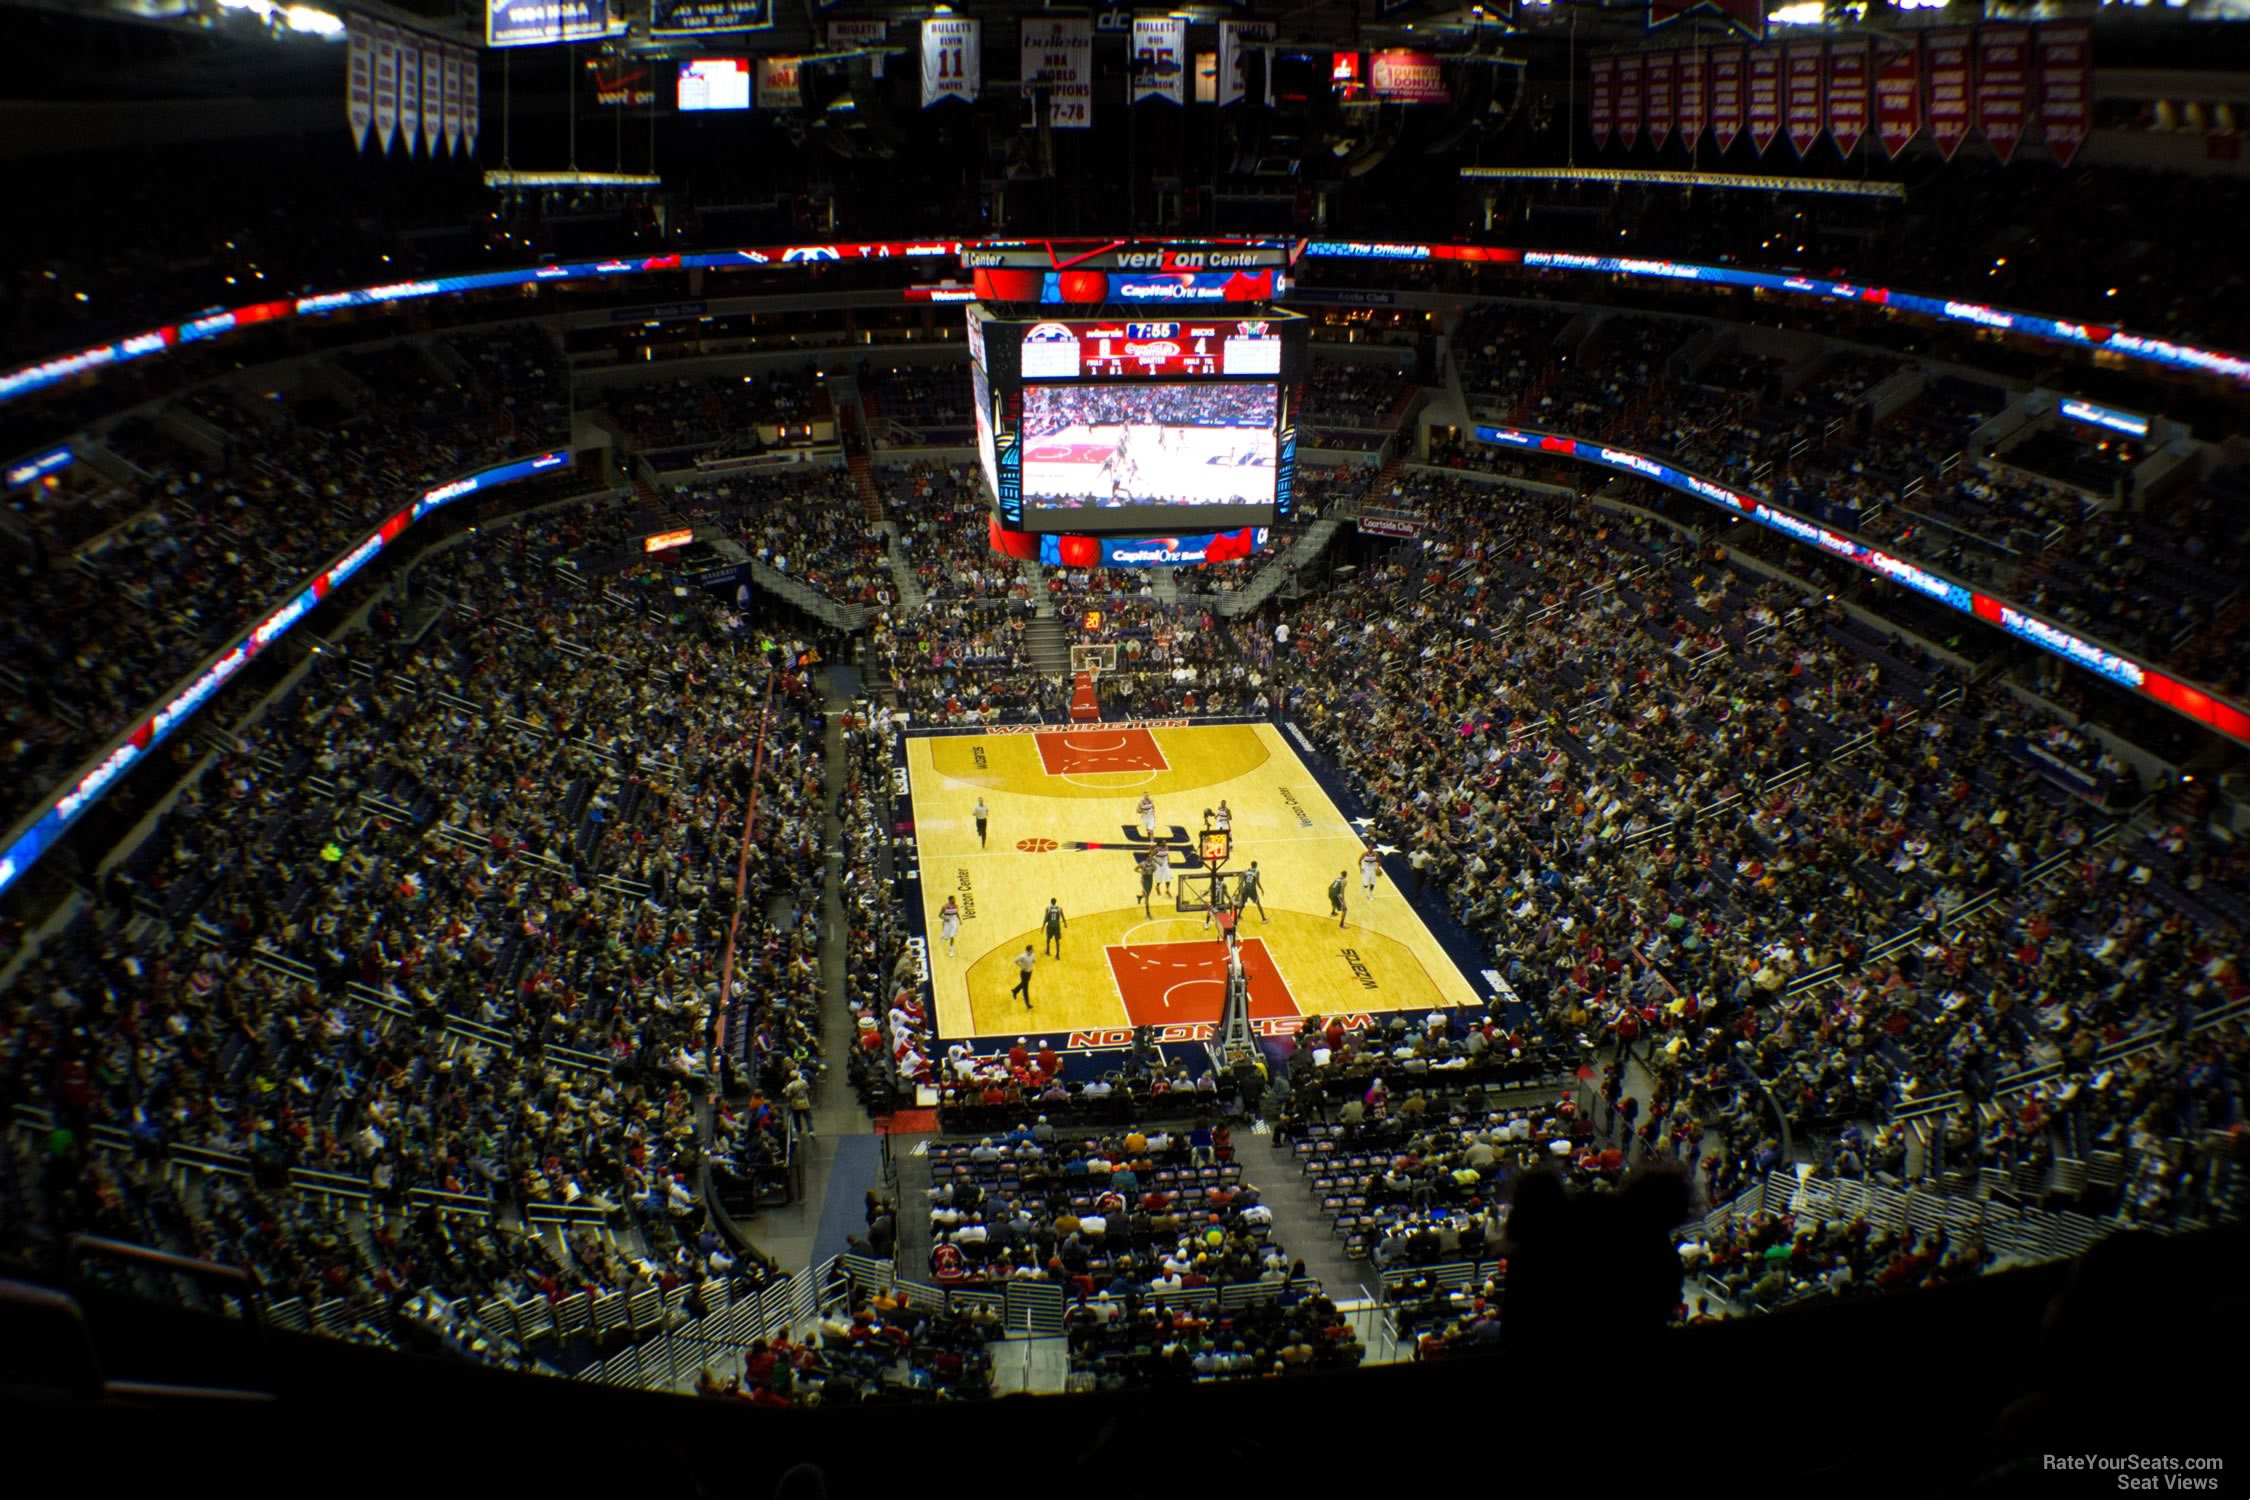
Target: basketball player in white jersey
(1370, 866)
(949, 924)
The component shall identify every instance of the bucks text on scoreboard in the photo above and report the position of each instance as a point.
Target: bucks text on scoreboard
(1123, 350)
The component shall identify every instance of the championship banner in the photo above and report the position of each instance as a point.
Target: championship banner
(1659, 94)
(1629, 99)
(848, 35)
(2003, 86)
(1059, 52)
(1945, 62)
(1806, 113)
(1233, 35)
(1159, 58)
(1898, 91)
(1407, 78)
(386, 83)
(1847, 93)
(1601, 101)
(704, 17)
(454, 63)
(952, 59)
(472, 114)
(1762, 91)
(359, 80)
(410, 92)
(1727, 65)
(536, 23)
(2066, 87)
(433, 96)
(775, 83)
(1692, 91)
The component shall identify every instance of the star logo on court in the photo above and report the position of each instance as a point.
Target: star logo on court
(1362, 823)
(1386, 849)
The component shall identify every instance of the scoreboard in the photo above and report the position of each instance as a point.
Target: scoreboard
(1118, 421)
(1131, 350)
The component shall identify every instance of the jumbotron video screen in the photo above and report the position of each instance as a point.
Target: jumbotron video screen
(1128, 425)
(1107, 447)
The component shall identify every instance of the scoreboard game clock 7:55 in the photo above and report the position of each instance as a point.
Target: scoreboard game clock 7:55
(1132, 350)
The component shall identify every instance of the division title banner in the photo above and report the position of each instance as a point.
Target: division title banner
(708, 17)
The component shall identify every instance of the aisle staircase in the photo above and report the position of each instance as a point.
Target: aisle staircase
(1308, 547)
(870, 499)
(857, 440)
(1047, 642)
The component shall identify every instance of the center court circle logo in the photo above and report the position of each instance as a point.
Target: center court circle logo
(1035, 846)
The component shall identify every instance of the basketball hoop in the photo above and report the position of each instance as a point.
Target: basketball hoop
(1093, 660)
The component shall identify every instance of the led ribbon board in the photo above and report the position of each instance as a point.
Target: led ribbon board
(1222, 275)
(34, 838)
(2229, 719)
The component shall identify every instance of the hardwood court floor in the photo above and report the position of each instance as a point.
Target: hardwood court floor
(1064, 825)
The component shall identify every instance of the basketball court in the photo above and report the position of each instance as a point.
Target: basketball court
(1065, 825)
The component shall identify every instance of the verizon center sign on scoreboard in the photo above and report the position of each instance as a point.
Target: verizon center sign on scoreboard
(1125, 350)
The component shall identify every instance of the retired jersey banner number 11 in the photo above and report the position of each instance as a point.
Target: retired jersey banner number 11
(952, 59)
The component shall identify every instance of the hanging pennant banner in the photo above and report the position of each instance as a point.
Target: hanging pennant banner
(850, 35)
(777, 83)
(453, 101)
(2003, 86)
(1159, 58)
(1945, 61)
(1601, 101)
(1727, 64)
(433, 97)
(1058, 51)
(410, 92)
(1806, 116)
(1629, 99)
(1235, 39)
(1898, 91)
(472, 114)
(386, 83)
(1692, 91)
(1763, 91)
(2066, 87)
(359, 80)
(1847, 93)
(952, 59)
(1658, 91)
